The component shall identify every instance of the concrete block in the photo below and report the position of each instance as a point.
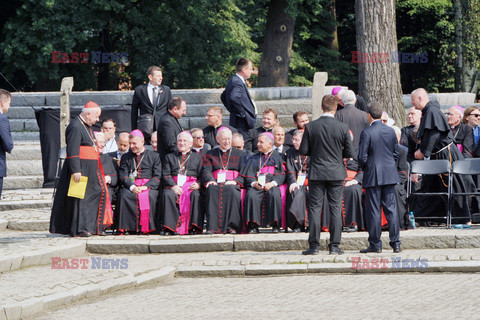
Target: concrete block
(24, 168)
(24, 204)
(56, 299)
(285, 107)
(23, 182)
(118, 246)
(197, 122)
(5, 264)
(26, 136)
(29, 225)
(31, 307)
(210, 271)
(25, 152)
(192, 245)
(3, 225)
(260, 270)
(199, 96)
(102, 98)
(21, 113)
(354, 243)
(31, 259)
(3, 315)
(73, 250)
(13, 311)
(452, 266)
(242, 243)
(31, 125)
(117, 284)
(413, 241)
(78, 293)
(467, 241)
(15, 261)
(184, 123)
(200, 110)
(162, 275)
(28, 99)
(330, 268)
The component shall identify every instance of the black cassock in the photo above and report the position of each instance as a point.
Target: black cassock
(400, 189)
(463, 135)
(437, 142)
(260, 207)
(172, 203)
(92, 214)
(110, 168)
(148, 168)
(297, 206)
(407, 141)
(223, 202)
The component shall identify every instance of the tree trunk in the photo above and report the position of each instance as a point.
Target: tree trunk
(378, 75)
(334, 43)
(277, 46)
(467, 76)
(103, 76)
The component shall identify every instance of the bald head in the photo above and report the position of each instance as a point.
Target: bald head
(123, 142)
(454, 116)
(419, 98)
(414, 116)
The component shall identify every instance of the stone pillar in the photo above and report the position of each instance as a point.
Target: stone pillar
(66, 90)
(318, 90)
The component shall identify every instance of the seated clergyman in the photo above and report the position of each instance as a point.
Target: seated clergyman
(140, 172)
(263, 175)
(182, 211)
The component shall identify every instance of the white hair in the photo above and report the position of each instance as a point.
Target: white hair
(397, 130)
(223, 131)
(187, 134)
(269, 139)
(100, 135)
(348, 97)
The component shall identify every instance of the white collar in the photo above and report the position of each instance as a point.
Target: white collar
(223, 150)
(197, 149)
(328, 115)
(241, 78)
(376, 121)
(141, 152)
(151, 86)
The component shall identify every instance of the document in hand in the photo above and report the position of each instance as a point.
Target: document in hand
(77, 189)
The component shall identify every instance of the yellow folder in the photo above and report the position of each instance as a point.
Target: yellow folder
(77, 189)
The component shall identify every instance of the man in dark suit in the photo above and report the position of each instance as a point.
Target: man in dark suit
(327, 142)
(237, 99)
(377, 155)
(151, 98)
(169, 127)
(355, 119)
(6, 143)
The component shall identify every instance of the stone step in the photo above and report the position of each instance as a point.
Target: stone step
(23, 125)
(23, 182)
(6, 205)
(24, 168)
(29, 150)
(25, 136)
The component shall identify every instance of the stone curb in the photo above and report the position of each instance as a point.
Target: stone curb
(30, 307)
(28, 225)
(315, 268)
(25, 204)
(3, 225)
(41, 257)
(272, 242)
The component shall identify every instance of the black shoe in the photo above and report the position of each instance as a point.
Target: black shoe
(335, 250)
(275, 230)
(297, 230)
(397, 249)
(351, 229)
(209, 232)
(231, 231)
(103, 233)
(86, 234)
(253, 230)
(310, 251)
(371, 249)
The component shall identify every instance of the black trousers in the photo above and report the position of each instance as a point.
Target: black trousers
(334, 192)
(375, 198)
(1, 186)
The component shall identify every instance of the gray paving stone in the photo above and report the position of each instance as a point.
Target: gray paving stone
(162, 275)
(3, 225)
(197, 244)
(118, 246)
(207, 271)
(23, 182)
(31, 307)
(467, 241)
(13, 312)
(56, 300)
(24, 168)
(38, 225)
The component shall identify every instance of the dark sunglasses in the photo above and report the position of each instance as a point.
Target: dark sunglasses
(200, 137)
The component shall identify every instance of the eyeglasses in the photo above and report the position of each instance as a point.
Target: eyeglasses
(199, 137)
(449, 114)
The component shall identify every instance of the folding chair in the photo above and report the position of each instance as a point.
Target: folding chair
(462, 167)
(430, 167)
(62, 155)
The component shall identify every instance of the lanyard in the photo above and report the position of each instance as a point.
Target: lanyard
(303, 164)
(138, 164)
(182, 164)
(89, 133)
(265, 163)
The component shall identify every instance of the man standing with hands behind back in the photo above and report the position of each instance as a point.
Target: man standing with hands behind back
(327, 141)
(6, 143)
(377, 155)
(237, 99)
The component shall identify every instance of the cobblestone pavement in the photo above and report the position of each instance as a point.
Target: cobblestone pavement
(432, 296)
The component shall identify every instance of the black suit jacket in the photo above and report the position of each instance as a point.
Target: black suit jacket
(6, 143)
(251, 138)
(327, 141)
(378, 154)
(238, 102)
(355, 119)
(167, 131)
(141, 102)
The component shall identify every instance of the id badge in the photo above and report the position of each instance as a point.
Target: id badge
(262, 179)
(132, 176)
(301, 178)
(181, 179)
(222, 177)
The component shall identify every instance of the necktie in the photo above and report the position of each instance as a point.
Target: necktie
(154, 97)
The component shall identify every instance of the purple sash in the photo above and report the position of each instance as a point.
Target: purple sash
(184, 204)
(144, 204)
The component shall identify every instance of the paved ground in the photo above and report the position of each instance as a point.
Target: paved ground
(437, 296)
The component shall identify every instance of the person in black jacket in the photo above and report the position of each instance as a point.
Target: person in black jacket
(169, 127)
(150, 98)
(327, 142)
(6, 143)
